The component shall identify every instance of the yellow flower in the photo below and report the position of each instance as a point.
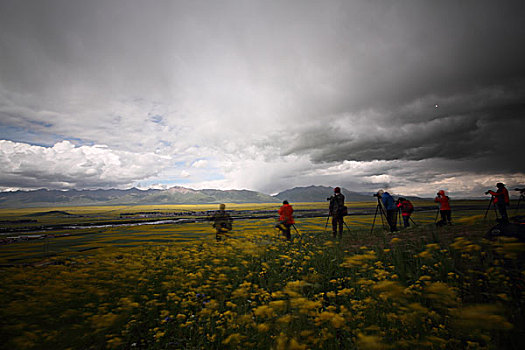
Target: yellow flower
(114, 343)
(263, 327)
(358, 259)
(285, 319)
(369, 342)
(440, 292)
(424, 254)
(432, 246)
(278, 305)
(295, 345)
(233, 339)
(481, 317)
(264, 311)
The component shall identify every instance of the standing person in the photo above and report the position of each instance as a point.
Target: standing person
(501, 201)
(337, 211)
(222, 222)
(391, 209)
(444, 208)
(285, 219)
(406, 208)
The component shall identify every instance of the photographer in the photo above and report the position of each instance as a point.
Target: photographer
(501, 201)
(444, 208)
(336, 210)
(390, 207)
(285, 219)
(222, 222)
(406, 208)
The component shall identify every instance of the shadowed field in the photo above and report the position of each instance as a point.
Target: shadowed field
(426, 287)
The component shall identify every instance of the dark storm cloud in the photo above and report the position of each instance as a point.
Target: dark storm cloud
(462, 56)
(484, 125)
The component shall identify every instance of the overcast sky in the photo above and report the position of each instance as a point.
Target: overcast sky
(409, 96)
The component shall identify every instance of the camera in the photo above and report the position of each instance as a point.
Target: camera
(521, 190)
(329, 198)
(376, 195)
(439, 194)
(487, 192)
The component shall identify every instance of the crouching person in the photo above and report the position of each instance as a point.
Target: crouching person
(222, 222)
(285, 219)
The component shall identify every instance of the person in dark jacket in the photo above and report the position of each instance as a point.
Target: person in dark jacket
(501, 201)
(336, 210)
(390, 207)
(222, 222)
(285, 219)
(444, 208)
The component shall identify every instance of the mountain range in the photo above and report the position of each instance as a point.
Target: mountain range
(173, 195)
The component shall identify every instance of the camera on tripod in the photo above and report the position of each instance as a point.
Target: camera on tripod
(520, 190)
(376, 195)
(330, 198)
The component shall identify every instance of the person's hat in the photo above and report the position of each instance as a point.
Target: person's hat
(285, 202)
(380, 192)
(337, 190)
(441, 192)
(500, 185)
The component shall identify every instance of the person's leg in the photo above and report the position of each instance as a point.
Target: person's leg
(503, 212)
(443, 220)
(391, 219)
(449, 216)
(287, 233)
(341, 224)
(334, 225)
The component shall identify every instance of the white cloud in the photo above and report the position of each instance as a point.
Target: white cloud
(67, 166)
(201, 163)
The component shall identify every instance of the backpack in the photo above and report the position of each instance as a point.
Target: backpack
(408, 207)
(344, 210)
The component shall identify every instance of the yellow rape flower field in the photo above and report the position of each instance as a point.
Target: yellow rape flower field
(422, 288)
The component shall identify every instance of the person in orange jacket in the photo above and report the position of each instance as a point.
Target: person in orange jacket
(501, 201)
(444, 208)
(285, 219)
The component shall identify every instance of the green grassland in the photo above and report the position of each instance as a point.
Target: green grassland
(175, 287)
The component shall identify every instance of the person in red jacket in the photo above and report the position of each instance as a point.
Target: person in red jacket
(406, 208)
(285, 219)
(444, 208)
(501, 201)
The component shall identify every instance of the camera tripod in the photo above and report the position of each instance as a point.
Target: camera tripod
(328, 218)
(488, 208)
(522, 197)
(379, 207)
